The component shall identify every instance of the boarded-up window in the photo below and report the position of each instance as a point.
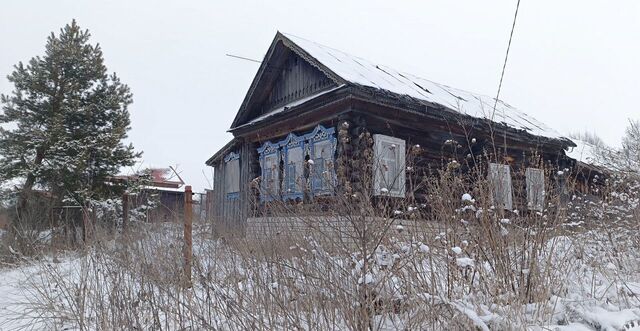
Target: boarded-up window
(389, 166)
(535, 188)
(500, 181)
(232, 175)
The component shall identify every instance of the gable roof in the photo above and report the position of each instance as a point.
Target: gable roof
(346, 69)
(269, 71)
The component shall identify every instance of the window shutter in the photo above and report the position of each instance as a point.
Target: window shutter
(535, 188)
(233, 178)
(232, 175)
(389, 166)
(500, 181)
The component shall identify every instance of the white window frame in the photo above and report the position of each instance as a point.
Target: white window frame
(534, 178)
(499, 176)
(382, 178)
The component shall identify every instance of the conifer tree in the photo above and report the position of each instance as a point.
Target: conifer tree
(64, 123)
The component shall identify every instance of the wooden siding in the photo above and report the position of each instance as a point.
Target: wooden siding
(297, 79)
(229, 215)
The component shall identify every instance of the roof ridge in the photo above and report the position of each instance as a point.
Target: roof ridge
(363, 72)
(394, 69)
(322, 45)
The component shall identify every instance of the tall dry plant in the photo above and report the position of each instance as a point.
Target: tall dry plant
(443, 258)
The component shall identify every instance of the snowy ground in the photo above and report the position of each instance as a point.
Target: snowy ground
(599, 288)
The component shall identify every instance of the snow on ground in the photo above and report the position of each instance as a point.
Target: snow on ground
(12, 292)
(17, 295)
(600, 291)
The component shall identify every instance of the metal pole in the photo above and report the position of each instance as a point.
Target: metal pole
(188, 244)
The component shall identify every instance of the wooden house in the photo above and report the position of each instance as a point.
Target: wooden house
(315, 116)
(160, 189)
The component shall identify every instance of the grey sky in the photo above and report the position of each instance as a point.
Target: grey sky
(573, 64)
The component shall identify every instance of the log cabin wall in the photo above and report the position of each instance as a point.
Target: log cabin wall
(441, 142)
(355, 123)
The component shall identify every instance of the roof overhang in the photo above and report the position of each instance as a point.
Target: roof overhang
(219, 155)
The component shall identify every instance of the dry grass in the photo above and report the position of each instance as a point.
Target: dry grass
(365, 264)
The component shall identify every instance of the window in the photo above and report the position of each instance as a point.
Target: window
(319, 146)
(535, 188)
(294, 181)
(500, 182)
(389, 166)
(322, 147)
(232, 176)
(270, 164)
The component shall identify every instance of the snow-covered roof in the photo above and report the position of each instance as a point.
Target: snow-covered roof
(584, 152)
(593, 155)
(359, 71)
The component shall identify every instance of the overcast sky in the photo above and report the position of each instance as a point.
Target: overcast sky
(574, 65)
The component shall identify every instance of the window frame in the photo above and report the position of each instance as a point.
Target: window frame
(266, 151)
(321, 135)
(293, 142)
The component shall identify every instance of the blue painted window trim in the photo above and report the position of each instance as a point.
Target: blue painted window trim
(233, 195)
(318, 135)
(291, 189)
(268, 149)
(231, 156)
(307, 142)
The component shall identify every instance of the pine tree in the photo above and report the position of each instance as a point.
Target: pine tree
(64, 124)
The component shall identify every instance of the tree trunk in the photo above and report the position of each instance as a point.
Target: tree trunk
(23, 197)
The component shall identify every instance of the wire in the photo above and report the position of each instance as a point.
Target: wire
(506, 56)
(243, 58)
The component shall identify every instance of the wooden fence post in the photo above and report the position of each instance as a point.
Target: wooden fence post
(188, 244)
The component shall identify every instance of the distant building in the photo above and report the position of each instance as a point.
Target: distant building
(161, 188)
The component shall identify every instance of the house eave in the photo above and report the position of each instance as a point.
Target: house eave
(219, 155)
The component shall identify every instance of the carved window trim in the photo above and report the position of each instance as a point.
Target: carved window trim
(294, 181)
(269, 155)
(322, 175)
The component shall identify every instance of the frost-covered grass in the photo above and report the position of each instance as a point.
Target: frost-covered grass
(458, 265)
(590, 280)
